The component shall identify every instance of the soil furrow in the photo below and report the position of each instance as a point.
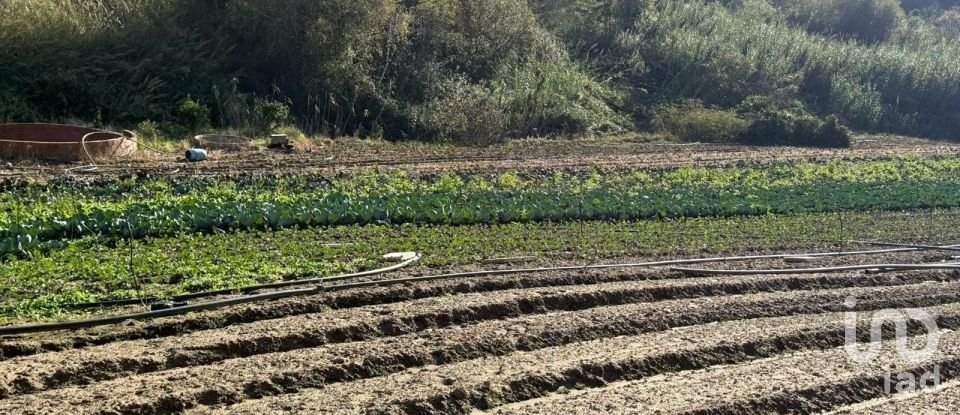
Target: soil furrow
(488, 383)
(14, 346)
(54, 370)
(942, 400)
(803, 383)
(168, 327)
(281, 373)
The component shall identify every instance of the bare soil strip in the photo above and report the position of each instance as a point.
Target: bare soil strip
(52, 370)
(801, 383)
(281, 373)
(611, 366)
(347, 155)
(236, 378)
(942, 400)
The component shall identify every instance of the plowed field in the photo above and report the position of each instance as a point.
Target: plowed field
(583, 341)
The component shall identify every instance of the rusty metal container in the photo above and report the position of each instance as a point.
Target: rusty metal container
(63, 142)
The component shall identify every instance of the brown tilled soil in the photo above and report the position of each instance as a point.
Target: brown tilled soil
(613, 341)
(939, 400)
(349, 154)
(805, 382)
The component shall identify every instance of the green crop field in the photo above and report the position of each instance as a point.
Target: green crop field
(36, 216)
(69, 241)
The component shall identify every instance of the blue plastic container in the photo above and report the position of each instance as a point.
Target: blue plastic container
(196, 154)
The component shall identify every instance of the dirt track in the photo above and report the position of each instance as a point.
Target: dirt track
(570, 342)
(348, 154)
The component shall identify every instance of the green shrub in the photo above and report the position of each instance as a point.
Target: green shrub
(691, 122)
(270, 115)
(790, 126)
(152, 137)
(148, 130)
(477, 38)
(557, 98)
(830, 133)
(193, 116)
(465, 113)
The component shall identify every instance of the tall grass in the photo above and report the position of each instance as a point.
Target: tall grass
(705, 50)
(117, 60)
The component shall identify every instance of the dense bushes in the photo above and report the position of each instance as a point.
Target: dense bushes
(756, 121)
(785, 122)
(452, 63)
(786, 128)
(368, 67)
(269, 115)
(464, 113)
(722, 56)
(868, 21)
(478, 71)
(691, 122)
(543, 100)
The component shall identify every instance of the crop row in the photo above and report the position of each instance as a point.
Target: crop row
(372, 181)
(89, 269)
(157, 207)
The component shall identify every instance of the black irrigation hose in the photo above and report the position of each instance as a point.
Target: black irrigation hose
(210, 305)
(240, 290)
(252, 288)
(880, 267)
(282, 284)
(932, 248)
(68, 325)
(102, 321)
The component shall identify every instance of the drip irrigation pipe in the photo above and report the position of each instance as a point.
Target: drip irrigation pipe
(292, 283)
(880, 267)
(928, 247)
(102, 321)
(241, 290)
(251, 298)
